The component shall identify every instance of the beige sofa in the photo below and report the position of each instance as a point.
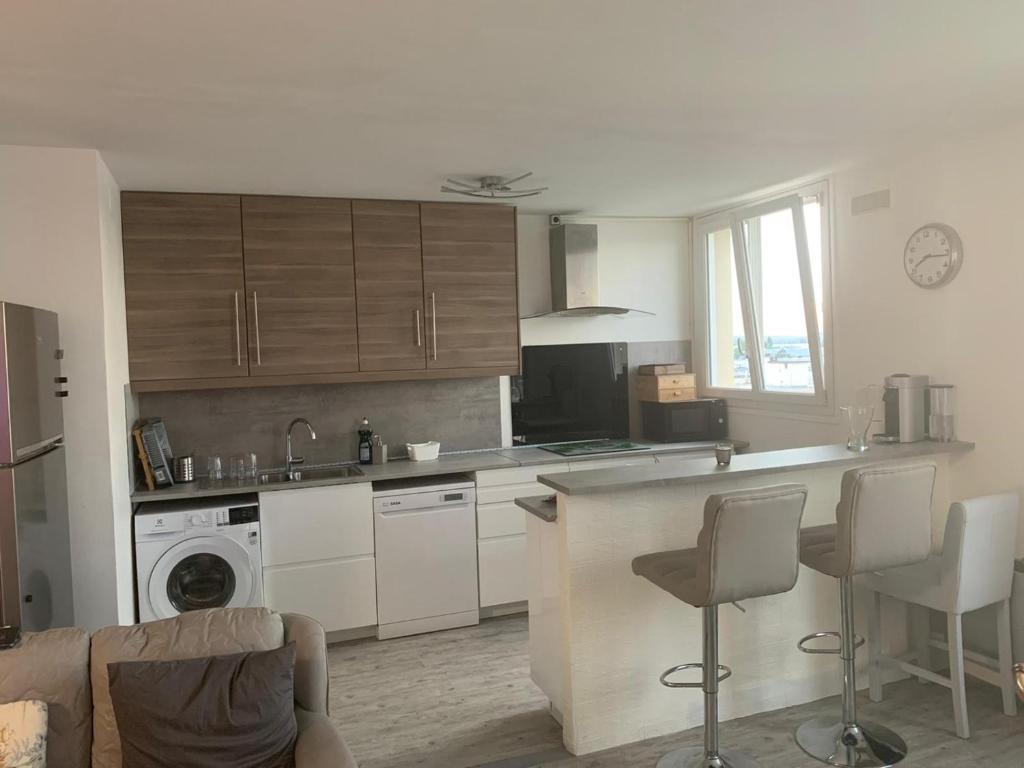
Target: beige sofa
(67, 669)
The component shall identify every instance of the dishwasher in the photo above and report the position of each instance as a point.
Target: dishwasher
(425, 538)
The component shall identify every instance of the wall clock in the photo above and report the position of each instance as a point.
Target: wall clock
(933, 255)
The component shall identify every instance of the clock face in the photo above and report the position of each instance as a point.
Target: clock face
(933, 255)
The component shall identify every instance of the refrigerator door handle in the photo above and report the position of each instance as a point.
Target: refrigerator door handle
(30, 452)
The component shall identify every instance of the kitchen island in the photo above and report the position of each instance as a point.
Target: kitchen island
(600, 636)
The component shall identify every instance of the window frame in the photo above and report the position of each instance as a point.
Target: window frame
(820, 344)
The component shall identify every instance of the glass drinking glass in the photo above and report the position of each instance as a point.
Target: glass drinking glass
(723, 454)
(942, 413)
(858, 420)
(252, 468)
(214, 469)
(236, 468)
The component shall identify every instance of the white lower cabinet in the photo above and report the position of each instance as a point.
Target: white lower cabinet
(501, 530)
(503, 570)
(318, 554)
(340, 594)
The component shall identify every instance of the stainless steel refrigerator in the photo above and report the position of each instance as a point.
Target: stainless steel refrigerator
(35, 542)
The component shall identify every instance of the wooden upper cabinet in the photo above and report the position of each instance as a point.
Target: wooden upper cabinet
(184, 286)
(469, 285)
(300, 285)
(389, 285)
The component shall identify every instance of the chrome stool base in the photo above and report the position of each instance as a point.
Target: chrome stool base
(697, 757)
(865, 745)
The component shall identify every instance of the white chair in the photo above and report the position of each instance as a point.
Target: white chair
(974, 570)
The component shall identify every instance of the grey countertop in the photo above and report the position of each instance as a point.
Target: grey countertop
(529, 455)
(743, 465)
(543, 507)
(467, 461)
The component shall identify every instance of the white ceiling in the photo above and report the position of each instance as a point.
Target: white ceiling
(649, 107)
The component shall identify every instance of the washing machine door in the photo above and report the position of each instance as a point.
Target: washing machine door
(204, 572)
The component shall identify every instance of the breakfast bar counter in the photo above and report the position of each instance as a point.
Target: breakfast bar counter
(600, 636)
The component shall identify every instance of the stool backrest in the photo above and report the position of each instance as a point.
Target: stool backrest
(749, 545)
(884, 517)
(978, 550)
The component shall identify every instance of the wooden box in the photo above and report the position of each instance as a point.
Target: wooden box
(658, 369)
(667, 388)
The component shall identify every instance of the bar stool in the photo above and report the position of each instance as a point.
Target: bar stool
(883, 520)
(748, 547)
(974, 570)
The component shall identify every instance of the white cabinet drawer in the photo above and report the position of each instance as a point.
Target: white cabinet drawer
(517, 475)
(501, 519)
(340, 595)
(307, 524)
(503, 573)
(618, 461)
(499, 493)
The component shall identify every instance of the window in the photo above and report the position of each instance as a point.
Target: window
(762, 326)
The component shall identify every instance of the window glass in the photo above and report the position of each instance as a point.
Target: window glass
(812, 221)
(729, 366)
(779, 302)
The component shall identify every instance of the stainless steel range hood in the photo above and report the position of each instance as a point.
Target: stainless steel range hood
(575, 283)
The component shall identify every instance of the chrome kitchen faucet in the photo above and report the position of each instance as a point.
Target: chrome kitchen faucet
(291, 461)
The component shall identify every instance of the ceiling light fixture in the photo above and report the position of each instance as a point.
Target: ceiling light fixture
(491, 187)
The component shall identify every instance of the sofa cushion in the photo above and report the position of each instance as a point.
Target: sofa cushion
(233, 711)
(53, 667)
(214, 632)
(23, 734)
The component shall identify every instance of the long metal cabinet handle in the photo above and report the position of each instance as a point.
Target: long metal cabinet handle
(419, 337)
(256, 318)
(238, 335)
(433, 321)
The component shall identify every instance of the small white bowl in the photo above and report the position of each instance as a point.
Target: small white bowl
(423, 451)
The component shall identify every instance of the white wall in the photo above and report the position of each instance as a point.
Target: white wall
(644, 264)
(60, 250)
(966, 334)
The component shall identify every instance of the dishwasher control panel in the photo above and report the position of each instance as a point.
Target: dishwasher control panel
(423, 493)
(410, 499)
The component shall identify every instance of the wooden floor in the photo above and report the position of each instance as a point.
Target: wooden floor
(464, 698)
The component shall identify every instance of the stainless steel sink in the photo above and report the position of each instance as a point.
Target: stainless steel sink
(298, 475)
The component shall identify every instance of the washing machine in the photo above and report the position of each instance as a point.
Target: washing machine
(198, 554)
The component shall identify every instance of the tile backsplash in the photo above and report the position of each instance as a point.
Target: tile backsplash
(461, 413)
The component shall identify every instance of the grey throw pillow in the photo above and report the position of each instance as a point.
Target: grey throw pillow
(234, 711)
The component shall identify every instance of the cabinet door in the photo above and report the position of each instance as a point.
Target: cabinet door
(469, 285)
(340, 594)
(307, 525)
(184, 286)
(503, 570)
(300, 285)
(389, 285)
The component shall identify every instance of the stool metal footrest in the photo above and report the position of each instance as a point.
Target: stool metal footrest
(858, 641)
(680, 667)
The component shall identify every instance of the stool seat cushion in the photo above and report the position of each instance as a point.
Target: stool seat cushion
(975, 568)
(920, 584)
(675, 571)
(818, 550)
